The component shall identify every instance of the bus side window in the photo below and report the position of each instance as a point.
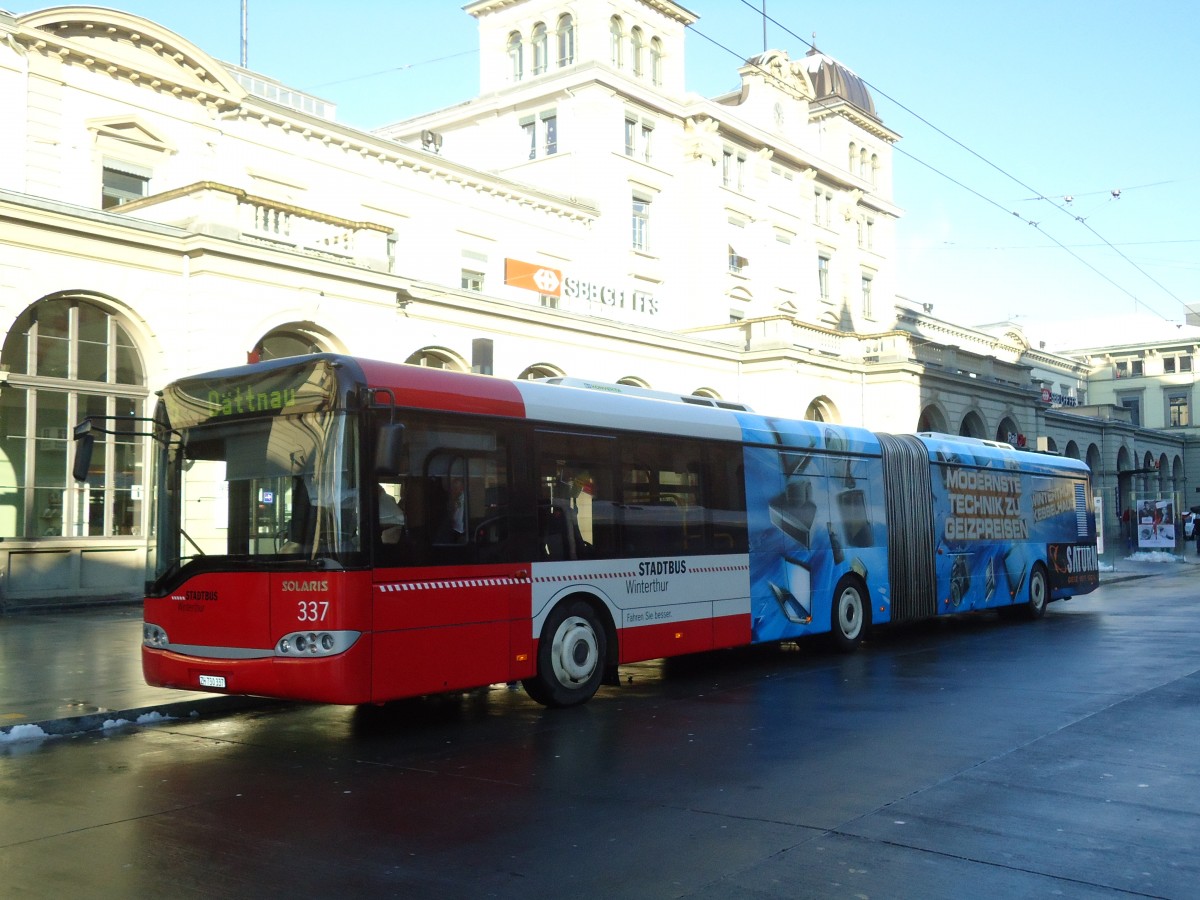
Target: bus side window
(577, 509)
(662, 497)
(449, 499)
(452, 487)
(393, 519)
(726, 501)
(558, 530)
(849, 484)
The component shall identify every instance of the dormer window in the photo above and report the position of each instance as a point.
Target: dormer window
(545, 124)
(1173, 364)
(616, 40)
(541, 49)
(515, 56)
(123, 183)
(566, 41)
(737, 262)
(129, 153)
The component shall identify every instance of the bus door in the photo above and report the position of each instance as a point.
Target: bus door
(451, 563)
(222, 485)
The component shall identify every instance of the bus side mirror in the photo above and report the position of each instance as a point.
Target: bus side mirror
(389, 449)
(84, 442)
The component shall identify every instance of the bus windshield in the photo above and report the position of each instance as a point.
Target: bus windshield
(257, 490)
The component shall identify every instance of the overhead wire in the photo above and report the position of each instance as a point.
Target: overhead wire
(403, 68)
(1038, 195)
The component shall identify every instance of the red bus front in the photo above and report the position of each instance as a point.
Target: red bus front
(260, 580)
(295, 635)
(289, 561)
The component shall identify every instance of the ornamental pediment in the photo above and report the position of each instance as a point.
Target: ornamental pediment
(125, 45)
(129, 131)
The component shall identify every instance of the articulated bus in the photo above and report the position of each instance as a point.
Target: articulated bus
(350, 531)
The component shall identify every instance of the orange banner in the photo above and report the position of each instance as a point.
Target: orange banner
(533, 277)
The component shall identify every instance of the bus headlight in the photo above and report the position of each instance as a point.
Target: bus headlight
(308, 644)
(154, 636)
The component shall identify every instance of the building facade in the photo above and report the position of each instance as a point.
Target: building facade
(163, 213)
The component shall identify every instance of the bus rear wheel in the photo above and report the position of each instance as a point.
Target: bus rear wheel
(850, 614)
(1039, 593)
(570, 657)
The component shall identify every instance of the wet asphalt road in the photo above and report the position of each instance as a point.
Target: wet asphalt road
(962, 758)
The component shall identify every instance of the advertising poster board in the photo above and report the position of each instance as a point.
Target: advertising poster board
(1156, 525)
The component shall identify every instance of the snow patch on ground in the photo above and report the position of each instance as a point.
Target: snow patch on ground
(1155, 556)
(22, 733)
(150, 718)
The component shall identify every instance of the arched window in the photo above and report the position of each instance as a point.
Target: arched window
(821, 409)
(972, 426)
(633, 381)
(541, 49)
(656, 61)
(617, 41)
(931, 419)
(434, 358)
(540, 370)
(285, 342)
(1008, 432)
(853, 157)
(69, 358)
(635, 50)
(515, 56)
(566, 40)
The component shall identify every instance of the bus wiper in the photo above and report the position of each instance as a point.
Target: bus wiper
(199, 552)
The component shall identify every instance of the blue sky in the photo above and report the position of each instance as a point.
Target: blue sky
(1004, 111)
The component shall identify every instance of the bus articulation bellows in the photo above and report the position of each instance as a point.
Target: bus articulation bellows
(351, 531)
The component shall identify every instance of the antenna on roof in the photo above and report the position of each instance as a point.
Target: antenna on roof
(764, 14)
(245, 30)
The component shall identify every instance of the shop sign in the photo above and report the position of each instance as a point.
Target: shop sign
(553, 282)
(1057, 400)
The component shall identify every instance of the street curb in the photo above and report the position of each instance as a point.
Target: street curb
(1133, 576)
(200, 708)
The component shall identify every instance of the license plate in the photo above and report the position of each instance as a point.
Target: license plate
(214, 681)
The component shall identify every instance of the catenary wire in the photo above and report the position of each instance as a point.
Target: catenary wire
(985, 160)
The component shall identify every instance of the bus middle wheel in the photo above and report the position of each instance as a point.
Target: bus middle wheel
(850, 614)
(570, 658)
(1039, 593)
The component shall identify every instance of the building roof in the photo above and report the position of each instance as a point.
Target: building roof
(830, 80)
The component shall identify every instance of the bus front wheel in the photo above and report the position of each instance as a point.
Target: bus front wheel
(570, 656)
(850, 614)
(1039, 593)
